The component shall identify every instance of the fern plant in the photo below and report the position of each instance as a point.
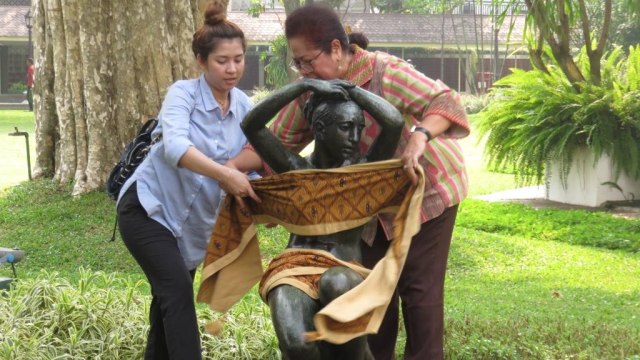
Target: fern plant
(534, 117)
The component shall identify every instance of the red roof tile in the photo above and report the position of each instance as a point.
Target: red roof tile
(393, 28)
(380, 29)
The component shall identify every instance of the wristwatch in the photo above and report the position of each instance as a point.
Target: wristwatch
(422, 130)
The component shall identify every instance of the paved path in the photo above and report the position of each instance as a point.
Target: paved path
(14, 106)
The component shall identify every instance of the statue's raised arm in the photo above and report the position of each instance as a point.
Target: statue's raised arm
(334, 112)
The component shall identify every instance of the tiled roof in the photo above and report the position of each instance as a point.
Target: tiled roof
(394, 28)
(380, 29)
(261, 29)
(12, 21)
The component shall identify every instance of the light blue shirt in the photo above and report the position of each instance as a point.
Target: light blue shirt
(181, 200)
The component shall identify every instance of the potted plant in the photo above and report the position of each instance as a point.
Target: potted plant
(540, 127)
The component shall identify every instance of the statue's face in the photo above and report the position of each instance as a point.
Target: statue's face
(341, 132)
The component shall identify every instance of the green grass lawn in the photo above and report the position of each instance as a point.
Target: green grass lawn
(481, 181)
(522, 283)
(13, 156)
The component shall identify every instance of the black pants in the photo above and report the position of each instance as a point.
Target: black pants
(30, 98)
(172, 316)
(421, 288)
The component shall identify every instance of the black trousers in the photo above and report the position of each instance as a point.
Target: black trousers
(421, 288)
(174, 328)
(30, 98)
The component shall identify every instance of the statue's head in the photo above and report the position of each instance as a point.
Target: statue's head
(337, 127)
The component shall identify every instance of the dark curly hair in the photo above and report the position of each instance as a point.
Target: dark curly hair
(319, 25)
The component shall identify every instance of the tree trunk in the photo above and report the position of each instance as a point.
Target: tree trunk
(556, 31)
(102, 68)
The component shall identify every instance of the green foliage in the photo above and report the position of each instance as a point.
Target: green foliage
(473, 104)
(625, 23)
(258, 94)
(576, 227)
(47, 317)
(17, 88)
(14, 153)
(430, 6)
(104, 316)
(60, 232)
(534, 117)
(511, 297)
(247, 332)
(518, 287)
(256, 7)
(387, 6)
(277, 69)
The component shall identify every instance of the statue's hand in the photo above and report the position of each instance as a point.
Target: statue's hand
(327, 89)
(342, 83)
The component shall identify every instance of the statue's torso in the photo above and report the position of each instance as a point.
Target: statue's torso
(345, 245)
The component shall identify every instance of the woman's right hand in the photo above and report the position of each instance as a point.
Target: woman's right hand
(328, 89)
(237, 183)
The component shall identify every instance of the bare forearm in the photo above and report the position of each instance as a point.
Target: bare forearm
(381, 110)
(247, 160)
(445, 114)
(230, 180)
(436, 124)
(197, 162)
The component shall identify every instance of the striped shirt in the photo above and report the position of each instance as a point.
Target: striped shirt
(415, 96)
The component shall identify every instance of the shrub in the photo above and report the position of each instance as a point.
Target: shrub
(48, 317)
(473, 104)
(17, 88)
(102, 316)
(258, 94)
(277, 68)
(534, 117)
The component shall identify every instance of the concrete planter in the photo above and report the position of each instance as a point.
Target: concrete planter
(585, 182)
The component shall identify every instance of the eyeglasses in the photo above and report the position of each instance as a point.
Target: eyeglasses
(303, 65)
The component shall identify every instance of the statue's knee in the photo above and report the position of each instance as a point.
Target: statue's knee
(336, 281)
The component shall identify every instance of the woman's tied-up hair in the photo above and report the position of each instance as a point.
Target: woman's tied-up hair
(215, 28)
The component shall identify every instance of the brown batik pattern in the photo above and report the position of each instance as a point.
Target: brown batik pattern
(309, 199)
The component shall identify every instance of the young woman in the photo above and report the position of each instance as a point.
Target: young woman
(434, 119)
(167, 208)
(335, 112)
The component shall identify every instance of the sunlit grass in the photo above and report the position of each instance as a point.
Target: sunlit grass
(13, 152)
(481, 180)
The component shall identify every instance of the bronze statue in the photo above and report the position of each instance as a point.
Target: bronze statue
(334, 112)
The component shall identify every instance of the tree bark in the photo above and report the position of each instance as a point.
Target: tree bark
(44, 95)
(102, 68)
(595, 55)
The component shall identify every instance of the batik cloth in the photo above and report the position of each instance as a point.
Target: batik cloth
(302, 268)
(317, 202)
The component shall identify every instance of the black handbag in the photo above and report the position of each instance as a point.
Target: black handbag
(132, 156)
